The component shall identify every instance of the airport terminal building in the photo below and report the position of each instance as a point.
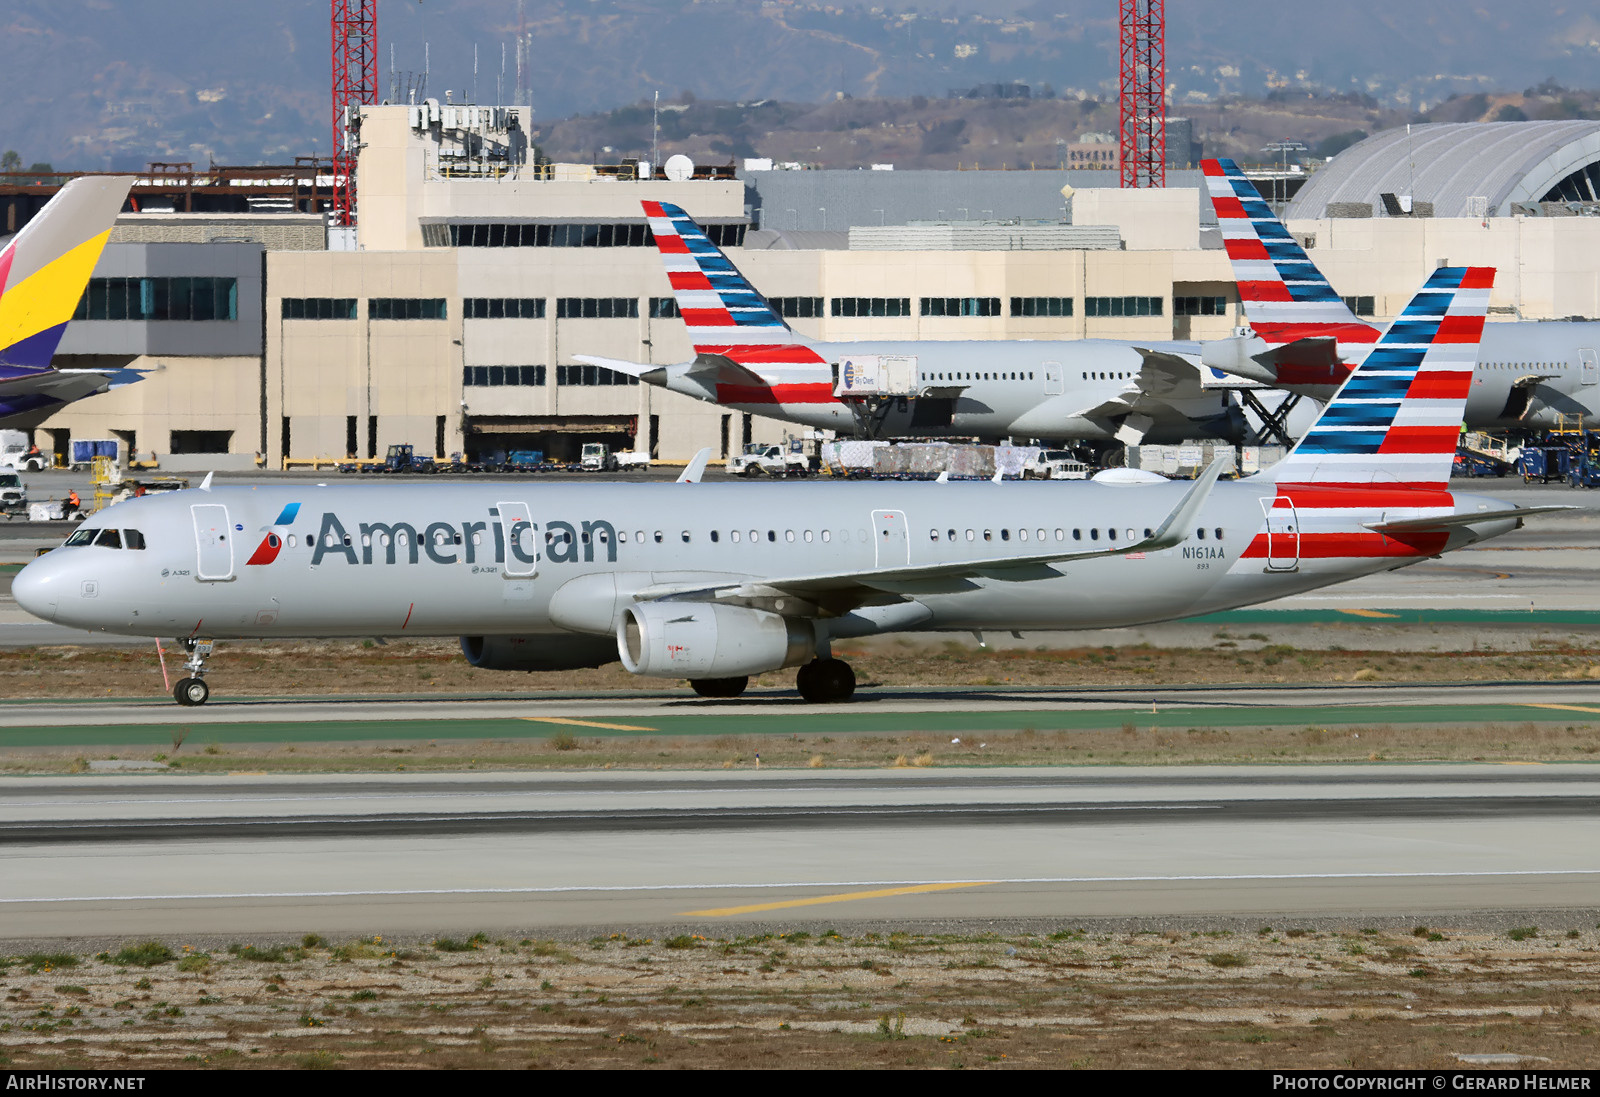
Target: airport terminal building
(450, 316)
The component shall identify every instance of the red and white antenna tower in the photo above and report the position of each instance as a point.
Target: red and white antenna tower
(355, 84)
(1143, 132)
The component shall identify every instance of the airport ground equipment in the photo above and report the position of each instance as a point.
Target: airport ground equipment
(17, 453)
(770, 459)
(13, 495)
(1054, 464)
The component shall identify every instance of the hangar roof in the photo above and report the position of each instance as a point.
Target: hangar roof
(1450, 164)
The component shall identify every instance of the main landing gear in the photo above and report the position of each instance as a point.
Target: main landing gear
(193, 689)
(826, 681)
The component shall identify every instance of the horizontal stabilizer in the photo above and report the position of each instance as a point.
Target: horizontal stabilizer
(1446, 521)
(617, 365)
(1317, 351)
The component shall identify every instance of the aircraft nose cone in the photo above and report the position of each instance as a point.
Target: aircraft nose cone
(35, 592)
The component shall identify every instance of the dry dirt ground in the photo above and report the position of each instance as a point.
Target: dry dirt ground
(262, 669)
(1285, 997)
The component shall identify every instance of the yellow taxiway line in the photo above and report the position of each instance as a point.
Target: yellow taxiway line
(842, 897)
(1564, 708)
(1367, 613)
(585, 723)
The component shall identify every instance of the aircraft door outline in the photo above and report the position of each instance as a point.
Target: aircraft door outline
(891, 539)
(1283, 534)
(518, 525)
(1054, 384)
(1588, 366)
(213, 537)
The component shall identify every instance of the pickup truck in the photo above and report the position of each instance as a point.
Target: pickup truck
(774, 460)
(13, 495)
(598, 457)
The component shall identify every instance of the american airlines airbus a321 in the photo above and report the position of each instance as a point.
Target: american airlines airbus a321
(716, 582)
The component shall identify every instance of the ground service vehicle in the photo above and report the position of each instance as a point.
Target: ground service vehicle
(1054, 464)
(13, 495)
(773, 460)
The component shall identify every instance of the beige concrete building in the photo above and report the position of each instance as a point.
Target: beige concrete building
(451, 316)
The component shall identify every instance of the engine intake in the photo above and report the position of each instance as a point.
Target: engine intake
(705, 640)
(555, 652)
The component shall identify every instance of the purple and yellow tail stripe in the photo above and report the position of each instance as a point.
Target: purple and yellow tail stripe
(45, 269)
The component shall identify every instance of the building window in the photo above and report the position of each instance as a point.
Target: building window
(797, 308)
(484, 376)
(1122, 306)
(1041, 306)
(592, 375)
(872, 306)
(1361, 306)
(664, 308)
(961, 306)
(597, 308)
(159, 299)
(591, 235)
(406, 308)
(503, 308)
(319, 308)
(1199, 306)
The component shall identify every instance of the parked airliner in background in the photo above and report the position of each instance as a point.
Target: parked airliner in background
(748, 359)
(1306, 339)
(43, 273)
(716, 582)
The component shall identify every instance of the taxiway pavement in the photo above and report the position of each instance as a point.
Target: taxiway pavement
(520, 853)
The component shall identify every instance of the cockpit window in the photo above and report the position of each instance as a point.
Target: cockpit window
(133, 539)
(82, 537)
(109, 538)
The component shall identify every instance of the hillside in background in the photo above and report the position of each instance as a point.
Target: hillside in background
(114, 83)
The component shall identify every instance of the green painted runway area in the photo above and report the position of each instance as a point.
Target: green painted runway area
(1401, 617)
(855, 722)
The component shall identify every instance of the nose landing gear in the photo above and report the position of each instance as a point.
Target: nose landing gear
(193, 690)
(826, 681)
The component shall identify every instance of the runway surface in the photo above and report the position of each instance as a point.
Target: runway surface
(515, 852)
(781, 712)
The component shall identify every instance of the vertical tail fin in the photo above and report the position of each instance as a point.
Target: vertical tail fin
(1396, 418)
(1285, 296)
(720, 307)
(45, 268)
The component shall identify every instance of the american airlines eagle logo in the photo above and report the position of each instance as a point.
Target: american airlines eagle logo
(272, 544)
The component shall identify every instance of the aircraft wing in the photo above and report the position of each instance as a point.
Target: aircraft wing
(835, 593)
(1166, 373)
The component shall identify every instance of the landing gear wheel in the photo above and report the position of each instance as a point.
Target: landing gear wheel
(191, 691)
(720, 687)
(826, 681)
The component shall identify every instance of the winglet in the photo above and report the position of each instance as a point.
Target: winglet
(205, 485)
(943, 477)
(1175, 530)
(696, 468)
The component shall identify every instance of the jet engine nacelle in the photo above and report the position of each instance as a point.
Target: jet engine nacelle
(538, 652)
(705, 640)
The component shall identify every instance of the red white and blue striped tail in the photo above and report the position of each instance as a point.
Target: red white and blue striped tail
(1396, 419)
(721, 309)
(1284, 295)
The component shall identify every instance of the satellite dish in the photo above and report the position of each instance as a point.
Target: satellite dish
(678, 168)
